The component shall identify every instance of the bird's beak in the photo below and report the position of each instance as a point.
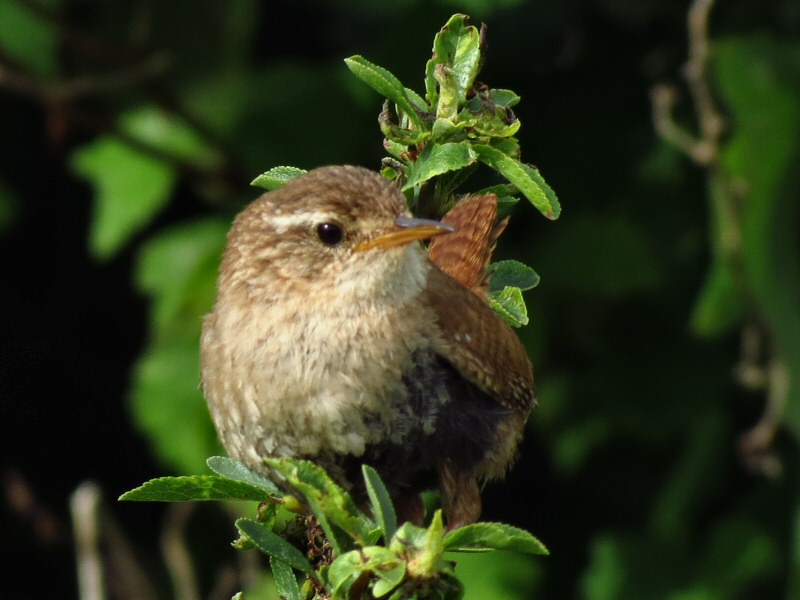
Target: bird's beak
(407, 230)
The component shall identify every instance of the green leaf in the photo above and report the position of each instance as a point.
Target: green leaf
(273, 545)
(130, 185)
(504, 98)
(382, 507)
(483, 537)
(524, 177)
(759, 79)
(238, 471)
(167, 404)
(277, 177)
(326, 498)
(456, 48)
(386, 84)
(384, 564)
(428, 561)
(719, 307)
(130, 189)
(436, 159)
(194, 487)
(178, 270)
(510, 305)
(284, 578)
(511, 273)
(28, 39)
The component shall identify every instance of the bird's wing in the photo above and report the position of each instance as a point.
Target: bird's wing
(479, 344)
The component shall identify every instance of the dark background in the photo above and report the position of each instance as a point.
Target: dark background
(632, 471)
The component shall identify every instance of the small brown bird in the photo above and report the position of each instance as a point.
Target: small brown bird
(335, 338)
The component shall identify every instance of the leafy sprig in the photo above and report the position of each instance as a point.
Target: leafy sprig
(371, 557)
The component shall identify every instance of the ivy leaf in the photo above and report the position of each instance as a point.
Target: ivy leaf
(284, 579)
(524, 177)
(382, 507)
(194, 487)
(436, 159)
(386, 84)
(238, 471)
(277, 177)
(484, 537)
(272, 544)
(510, 305)
(511, 273)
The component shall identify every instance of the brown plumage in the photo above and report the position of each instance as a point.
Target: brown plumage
(335, 338)
(465, 254)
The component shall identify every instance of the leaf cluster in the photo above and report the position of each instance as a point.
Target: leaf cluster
(368, 556)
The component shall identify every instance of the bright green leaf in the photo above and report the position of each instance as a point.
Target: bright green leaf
(511, 273)
(456, 48)
(178, 270)
(130, 189)
(428, 560)
(384, 564)
(238, 471)
(382, 507)
(524, 177)
(324, 496)
(167, 404)
(483, 537)
(277, 177)
(273, 545)
(510, 305)
(285, 580)
(386, 84)
(194, 487)
(436, 159)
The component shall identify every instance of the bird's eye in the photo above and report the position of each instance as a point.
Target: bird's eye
(330, 234)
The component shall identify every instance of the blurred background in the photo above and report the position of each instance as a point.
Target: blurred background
(663, 459)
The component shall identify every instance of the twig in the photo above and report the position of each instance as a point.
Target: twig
(755, 444)
(21, 499)
(176, 554)
(703, 149)
(84, 506)
(70, 90)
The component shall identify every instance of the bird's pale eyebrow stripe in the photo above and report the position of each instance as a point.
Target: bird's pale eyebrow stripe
(282, 223)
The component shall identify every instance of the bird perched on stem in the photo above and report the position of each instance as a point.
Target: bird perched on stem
(335, 338)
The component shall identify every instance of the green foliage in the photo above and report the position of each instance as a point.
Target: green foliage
(410, 563)
(459, 123)
(131, 186)
(276, 177)
(31, 41)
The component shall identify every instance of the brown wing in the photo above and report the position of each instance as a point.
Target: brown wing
(464, 254)
(479, 344)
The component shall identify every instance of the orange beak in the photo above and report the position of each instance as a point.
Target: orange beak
(408, 230)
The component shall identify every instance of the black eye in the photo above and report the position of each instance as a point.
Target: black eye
(330, 234)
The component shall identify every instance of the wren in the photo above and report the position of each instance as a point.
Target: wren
(335, 337)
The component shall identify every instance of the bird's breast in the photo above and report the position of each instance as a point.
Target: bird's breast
(281, 379)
